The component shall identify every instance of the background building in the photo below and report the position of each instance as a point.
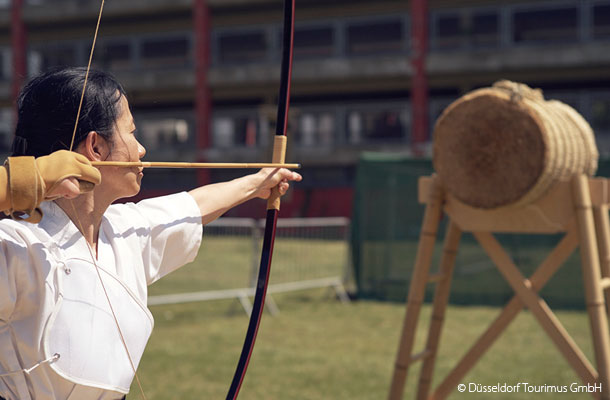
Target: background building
(352, 80)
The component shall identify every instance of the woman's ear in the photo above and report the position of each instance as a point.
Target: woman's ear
(94, 147)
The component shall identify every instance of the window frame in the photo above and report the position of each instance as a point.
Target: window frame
(142, 64)
(435, 15)
(404, 19)
(513, 9)
(217, 33)
(591, 21)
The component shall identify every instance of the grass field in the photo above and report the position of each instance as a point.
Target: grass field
(318, 348)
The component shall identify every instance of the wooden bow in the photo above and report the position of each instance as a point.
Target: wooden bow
(273, 204)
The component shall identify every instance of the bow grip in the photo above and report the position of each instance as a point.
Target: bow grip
(279, 156)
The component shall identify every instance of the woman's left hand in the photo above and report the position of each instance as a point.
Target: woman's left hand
(272, 177)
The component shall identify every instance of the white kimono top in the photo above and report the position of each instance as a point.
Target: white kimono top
(58, 337)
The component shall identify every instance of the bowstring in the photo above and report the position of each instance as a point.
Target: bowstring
(82, 95)
(89, 246)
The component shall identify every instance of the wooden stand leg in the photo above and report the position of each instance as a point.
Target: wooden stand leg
(542, 275)
(417, 289)
(592, 281)
(441, 297)
(602, 228)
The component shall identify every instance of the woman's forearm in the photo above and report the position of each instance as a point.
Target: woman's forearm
(216, 199)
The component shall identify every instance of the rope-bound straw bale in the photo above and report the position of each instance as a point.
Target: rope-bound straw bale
(506, 145)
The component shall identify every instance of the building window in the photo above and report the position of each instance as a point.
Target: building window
(600, 114)
(545, 25)
(166, 52)
(6, 129)
(485, 29)
(313, 42)
(436, 107)
(5, 64)
(158, 133)
(569, 97)
(245, 47)
(450, 32)
(468, 29)
(599, 118)
(377, 126)
(235, 131)
(316, 129)
(113, 55)
(382, 36)
(601, 21)
(53, 55)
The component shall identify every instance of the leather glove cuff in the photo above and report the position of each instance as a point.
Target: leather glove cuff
(26, 188)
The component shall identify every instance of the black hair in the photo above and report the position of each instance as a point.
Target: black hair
(48, 104)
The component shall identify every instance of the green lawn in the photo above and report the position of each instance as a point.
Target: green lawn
(318, 348)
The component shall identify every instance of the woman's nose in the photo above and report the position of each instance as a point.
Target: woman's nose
(141, 150)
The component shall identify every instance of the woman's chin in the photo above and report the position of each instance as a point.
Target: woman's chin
(134, 189)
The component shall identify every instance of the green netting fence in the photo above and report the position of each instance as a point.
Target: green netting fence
(385, 231)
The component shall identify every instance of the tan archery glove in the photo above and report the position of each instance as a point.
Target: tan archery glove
(28, 181)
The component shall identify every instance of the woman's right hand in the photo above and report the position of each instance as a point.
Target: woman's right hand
(68, 188)
(28, 181)
(66, 174)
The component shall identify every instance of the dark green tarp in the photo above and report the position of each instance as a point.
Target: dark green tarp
(385, 230)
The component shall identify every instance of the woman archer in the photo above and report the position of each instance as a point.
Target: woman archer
(73, 280)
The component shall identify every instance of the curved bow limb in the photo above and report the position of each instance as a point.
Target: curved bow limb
(273, 204)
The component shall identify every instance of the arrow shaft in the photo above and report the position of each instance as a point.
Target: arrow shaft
(154, 164)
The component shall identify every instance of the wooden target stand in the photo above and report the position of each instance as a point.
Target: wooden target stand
(580, 209)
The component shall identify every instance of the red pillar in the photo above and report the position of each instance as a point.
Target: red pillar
(18, 45)
(419, 87)
(203, 104)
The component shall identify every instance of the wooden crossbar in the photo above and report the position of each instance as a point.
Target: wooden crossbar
(538, 307)
(538, 280)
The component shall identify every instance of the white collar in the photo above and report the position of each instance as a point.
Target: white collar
(64, 234)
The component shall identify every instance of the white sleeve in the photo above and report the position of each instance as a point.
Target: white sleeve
(175, 233)
(11, 256)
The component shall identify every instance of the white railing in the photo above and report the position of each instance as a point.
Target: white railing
(309, 253)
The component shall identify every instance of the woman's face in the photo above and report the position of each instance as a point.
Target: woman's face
(125, 182)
